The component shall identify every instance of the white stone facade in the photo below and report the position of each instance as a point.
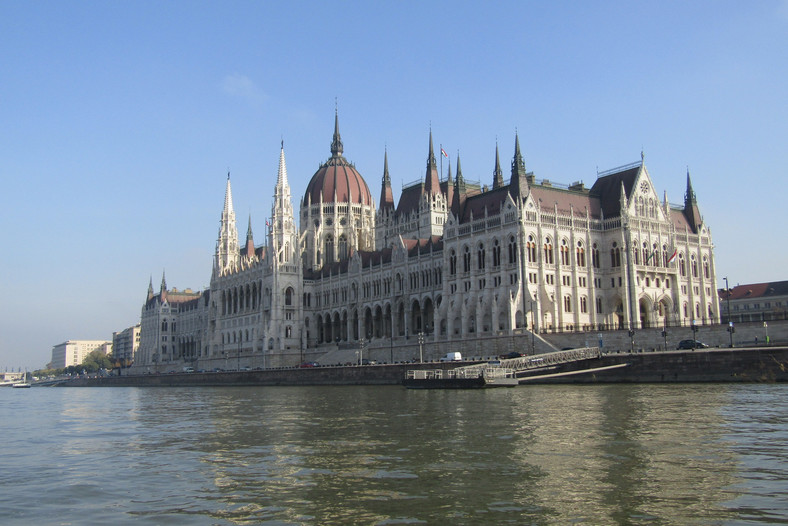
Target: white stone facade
(453, 261)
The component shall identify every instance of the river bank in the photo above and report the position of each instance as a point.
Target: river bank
(754, 364)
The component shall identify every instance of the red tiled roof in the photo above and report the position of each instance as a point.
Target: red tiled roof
(756, 290)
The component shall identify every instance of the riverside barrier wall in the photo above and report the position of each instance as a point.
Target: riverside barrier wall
(753, 364)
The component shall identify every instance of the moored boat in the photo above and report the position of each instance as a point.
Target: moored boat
(460, 379)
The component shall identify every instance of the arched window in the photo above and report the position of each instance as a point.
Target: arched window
(452, 262)
(289, 296)
(564, 253)
(682, 266)
(705, 267)
(548, 251)
(329, 251)
(583, 304)
(567, 303)
(343, 253)
(466, 260)
(530, 247)
(580, 255)
(595, 256)
(694, 265)
(615, 255)
(480, 256)
(512, 250)
(496, 254)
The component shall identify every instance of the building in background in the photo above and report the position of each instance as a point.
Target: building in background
(74, 352)
(125, 344)
(755, 302)
(454, 262)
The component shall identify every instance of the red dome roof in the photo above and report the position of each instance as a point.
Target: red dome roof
(337, 177)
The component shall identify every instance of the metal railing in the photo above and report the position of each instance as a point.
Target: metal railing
(535, 361)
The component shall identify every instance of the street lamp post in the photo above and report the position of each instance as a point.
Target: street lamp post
(665, 334)
(631, 340)
(694, 333)
(730, 320)
(421, 345)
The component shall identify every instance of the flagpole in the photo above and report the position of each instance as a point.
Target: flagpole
(441, 156)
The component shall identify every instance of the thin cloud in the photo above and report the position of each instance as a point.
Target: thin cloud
(242, 87)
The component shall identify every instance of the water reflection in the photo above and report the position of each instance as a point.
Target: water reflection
(617, 454)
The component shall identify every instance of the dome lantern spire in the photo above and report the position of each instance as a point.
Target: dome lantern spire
(336, 143)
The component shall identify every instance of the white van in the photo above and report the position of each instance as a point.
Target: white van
(452, 357)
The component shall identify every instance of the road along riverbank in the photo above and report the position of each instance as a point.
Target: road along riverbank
(758, 364)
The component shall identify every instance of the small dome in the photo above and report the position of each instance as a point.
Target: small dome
(337, 177)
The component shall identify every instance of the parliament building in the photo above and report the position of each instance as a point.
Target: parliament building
(455, 264)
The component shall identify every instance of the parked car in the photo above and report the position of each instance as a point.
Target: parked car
(309, 364)
(368, 362)
(452, 357)
(691, 344)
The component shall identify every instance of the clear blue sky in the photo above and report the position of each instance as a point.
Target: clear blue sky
(119, 121)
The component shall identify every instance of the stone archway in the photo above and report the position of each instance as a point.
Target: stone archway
(645, 312)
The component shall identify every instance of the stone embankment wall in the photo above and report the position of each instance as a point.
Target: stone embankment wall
(484, 348)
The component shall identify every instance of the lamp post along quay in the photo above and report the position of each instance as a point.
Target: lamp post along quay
(731, 330)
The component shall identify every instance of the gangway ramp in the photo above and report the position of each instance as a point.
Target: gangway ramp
(536, 361)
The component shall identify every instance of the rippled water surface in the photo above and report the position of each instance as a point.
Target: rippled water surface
(609, 454)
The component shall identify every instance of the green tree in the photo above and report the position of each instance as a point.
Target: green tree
(97, 360)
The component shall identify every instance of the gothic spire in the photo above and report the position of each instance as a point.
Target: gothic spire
(459, 191)
(497, 172)
(431, 182)
(163, 289)
(227, 252)
(689, 196)
(249, 239)
(518, 184)
(691, 210)
(282, 190)
(386, 195)
(336, 144)
(150, 289)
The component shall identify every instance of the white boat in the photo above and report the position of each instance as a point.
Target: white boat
(23, 384)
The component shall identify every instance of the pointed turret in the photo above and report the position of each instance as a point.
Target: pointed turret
(227, 253)
(150, 289)
(691, 210)
(460, 193)
(282, 234)
(431, 180)
(497, 172)
(249, 239)
(518, 184)
(336, 143)
(386, 195)
(163, 288)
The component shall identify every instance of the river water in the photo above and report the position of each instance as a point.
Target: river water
(598, 454)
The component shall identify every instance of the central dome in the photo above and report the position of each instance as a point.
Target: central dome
(337, 178)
